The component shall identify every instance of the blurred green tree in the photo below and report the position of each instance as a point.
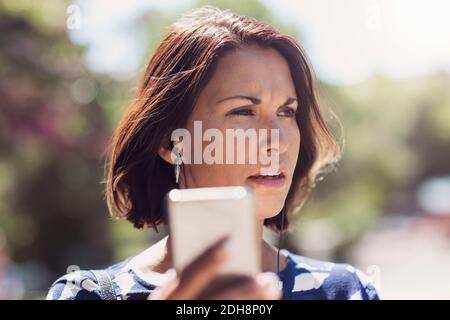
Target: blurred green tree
(57, 116)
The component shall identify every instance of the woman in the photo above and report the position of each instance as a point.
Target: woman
(228, 72)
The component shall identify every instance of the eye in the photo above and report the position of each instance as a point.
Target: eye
(288, 112)
(242, 112)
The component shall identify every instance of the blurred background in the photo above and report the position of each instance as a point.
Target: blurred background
(68, 70)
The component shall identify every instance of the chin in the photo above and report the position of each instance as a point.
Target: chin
(266, 210)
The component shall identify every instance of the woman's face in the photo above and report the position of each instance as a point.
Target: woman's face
(263, 75)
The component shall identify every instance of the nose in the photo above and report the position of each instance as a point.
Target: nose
(274, 139)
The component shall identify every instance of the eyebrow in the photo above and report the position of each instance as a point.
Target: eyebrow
(256, 100)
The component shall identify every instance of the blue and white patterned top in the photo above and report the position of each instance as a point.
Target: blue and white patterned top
(302, 279)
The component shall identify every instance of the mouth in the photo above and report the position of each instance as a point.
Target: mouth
(269, 179)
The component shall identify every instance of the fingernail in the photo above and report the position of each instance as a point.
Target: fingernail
(269, 278)
(221, 250)
(171, 273)
(229, 246)
(276, 293)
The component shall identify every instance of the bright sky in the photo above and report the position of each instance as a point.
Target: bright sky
(347, 40)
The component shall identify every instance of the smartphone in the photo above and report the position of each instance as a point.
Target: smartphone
(198, 217)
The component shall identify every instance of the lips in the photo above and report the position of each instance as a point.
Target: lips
(268, 176)
(268, 179)
(269, 172)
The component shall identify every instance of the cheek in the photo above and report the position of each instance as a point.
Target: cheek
(296, 141)
(215, 175)
(293, 138)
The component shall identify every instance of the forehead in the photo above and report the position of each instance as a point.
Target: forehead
(250, 70)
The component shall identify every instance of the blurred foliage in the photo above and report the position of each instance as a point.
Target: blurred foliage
(395, 134)
(57, 116)
(50, 146)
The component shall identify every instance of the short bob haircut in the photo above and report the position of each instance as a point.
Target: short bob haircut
(137, 178)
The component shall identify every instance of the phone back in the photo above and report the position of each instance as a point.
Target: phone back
(199, 217)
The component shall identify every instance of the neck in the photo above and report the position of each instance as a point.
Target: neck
(158, 258)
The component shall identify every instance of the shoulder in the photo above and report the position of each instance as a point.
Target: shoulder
(83, 284)
(307, 278)
(77, 285)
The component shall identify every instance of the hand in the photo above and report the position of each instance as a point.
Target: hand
(201, 280)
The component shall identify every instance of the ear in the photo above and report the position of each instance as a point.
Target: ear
(165, 154)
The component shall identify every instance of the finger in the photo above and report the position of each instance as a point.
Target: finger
(196, 276)
(263, 287)
(249, 292)
(164, 292)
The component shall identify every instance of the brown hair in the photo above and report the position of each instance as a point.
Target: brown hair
(137, 178)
